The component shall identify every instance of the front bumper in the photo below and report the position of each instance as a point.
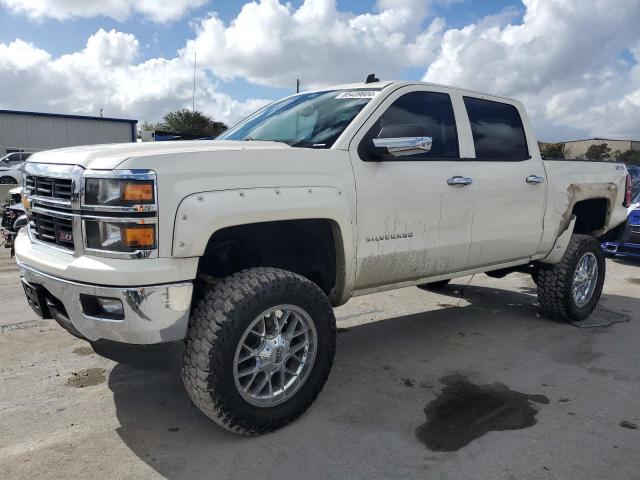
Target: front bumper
(152, 314)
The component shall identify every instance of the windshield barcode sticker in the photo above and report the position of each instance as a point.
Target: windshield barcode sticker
(357, 94)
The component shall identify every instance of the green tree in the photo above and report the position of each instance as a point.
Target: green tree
(630, 157)
(187, 121)
(552, 150)
(598, 152)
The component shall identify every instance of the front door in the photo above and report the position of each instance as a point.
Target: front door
(411, 224)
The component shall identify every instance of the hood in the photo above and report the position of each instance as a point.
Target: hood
(109, 156)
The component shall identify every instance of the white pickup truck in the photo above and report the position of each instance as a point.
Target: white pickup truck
(242, 245)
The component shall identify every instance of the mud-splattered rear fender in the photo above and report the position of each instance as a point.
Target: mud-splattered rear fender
(571, 182)
(576, 193)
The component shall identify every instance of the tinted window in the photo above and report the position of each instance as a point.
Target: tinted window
(497, 130)
(428, 112)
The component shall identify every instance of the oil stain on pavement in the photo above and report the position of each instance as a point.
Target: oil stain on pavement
(86, 378)
(465, 411)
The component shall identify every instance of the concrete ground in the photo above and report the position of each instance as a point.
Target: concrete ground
(68, 413)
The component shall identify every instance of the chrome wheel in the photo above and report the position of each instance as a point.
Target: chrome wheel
(275, 355)
(585, 279)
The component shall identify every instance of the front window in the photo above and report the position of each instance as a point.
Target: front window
(310, 120)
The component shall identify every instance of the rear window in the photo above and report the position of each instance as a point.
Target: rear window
(497, 130)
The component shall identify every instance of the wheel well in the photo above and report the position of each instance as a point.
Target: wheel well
(306, 247)
(591, 215)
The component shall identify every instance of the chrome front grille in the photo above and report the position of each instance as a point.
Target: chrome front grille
(53, 229)
(57, 213)
(49, 187)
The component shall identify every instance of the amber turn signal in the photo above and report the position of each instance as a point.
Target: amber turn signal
(137, 192)
(139, 236)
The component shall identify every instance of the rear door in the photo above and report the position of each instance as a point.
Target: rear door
(410, 223)
(509, 183)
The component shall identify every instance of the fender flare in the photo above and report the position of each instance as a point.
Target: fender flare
(200, 215)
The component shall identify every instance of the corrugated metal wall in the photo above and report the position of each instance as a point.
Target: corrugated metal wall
(32, 132)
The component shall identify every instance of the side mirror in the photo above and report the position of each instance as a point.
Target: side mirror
(403, 140)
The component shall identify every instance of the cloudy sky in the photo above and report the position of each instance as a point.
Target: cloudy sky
(575, 64)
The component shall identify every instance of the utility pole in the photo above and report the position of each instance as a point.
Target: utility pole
(298, 83)
(193, 99)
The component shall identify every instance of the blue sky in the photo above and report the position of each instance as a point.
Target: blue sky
(576, 69)
(164, 40)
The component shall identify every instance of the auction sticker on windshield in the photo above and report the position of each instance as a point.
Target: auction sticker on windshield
(357, 94)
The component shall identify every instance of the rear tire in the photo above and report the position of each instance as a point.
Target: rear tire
(571, 289)
(433, 286)
(238, 318)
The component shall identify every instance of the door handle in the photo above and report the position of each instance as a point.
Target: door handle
(459, 181)
(533, 179)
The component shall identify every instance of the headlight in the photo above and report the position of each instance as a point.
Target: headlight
(117, 192)
(120, 237)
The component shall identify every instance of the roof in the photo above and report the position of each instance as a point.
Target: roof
(62, 115)
(601, 140)
(381, 85)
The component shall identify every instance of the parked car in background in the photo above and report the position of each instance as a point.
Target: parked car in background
(14, 217)
(630, 247)
(11, 167)
(634, 172)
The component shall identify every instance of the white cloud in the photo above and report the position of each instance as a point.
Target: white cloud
(105, 75)
(562, 61)
(155, 10)
(272, 43)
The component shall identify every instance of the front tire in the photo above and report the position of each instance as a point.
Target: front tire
(259, 349)
(571, 289)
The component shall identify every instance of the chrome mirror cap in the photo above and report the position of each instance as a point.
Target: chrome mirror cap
(404, 145)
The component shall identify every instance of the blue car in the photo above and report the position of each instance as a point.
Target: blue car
(631, 247)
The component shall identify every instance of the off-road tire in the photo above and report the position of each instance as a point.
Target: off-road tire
(433, 286)
(218, 320)
(555, 281)
(7, 180)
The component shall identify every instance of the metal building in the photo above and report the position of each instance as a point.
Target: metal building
(578, 148)
(32, 131)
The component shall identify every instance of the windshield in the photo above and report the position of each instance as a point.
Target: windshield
(311, 120)
(13, 159)
(636, 198)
